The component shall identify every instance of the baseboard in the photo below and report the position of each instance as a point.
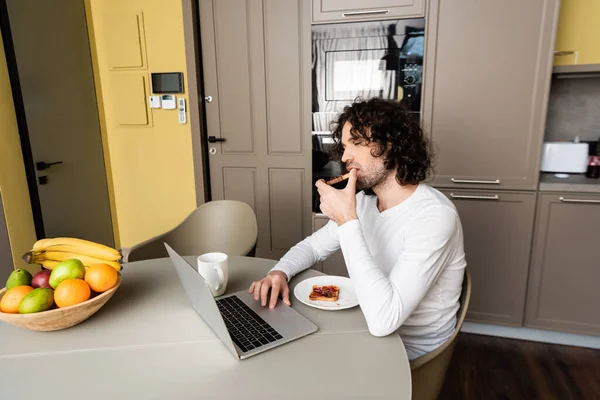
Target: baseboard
(535, 335)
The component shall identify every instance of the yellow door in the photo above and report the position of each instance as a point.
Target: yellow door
(16, 218)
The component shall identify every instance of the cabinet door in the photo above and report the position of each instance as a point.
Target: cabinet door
(334, 264)
(487, 77)
(256, 64)
(577, 33)
(563, 288)
(497, 230)
(364, 10)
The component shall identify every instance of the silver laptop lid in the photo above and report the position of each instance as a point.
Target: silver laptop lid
(201, 298)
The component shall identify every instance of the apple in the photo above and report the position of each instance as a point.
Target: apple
(42, 279)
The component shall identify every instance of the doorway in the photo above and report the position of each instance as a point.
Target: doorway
(49, 60)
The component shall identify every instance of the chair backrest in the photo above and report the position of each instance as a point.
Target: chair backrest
(428, 371)
(225, 226)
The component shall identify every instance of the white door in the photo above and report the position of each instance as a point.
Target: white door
(56, 79)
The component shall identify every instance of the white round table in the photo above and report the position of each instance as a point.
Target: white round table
(148, 343)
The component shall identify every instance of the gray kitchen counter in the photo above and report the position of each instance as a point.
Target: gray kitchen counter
(574, 183)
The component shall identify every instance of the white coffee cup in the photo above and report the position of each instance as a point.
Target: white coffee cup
(215, 271)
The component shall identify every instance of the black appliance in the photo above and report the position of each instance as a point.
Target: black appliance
(361, 60)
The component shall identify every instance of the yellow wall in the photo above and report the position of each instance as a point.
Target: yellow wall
(13, 182)
(578, 30)
(151, 166)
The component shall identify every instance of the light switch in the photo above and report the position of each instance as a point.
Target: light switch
(155, 102)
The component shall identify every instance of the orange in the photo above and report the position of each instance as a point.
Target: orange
(101, 277)
(70, 292)
(12, 298)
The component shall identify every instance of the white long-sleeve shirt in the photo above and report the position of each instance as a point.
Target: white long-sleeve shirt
(406, 264)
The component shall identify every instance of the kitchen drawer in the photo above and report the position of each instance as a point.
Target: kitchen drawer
(365, 10)
(565, 269)
(334, 264)
(497, 226)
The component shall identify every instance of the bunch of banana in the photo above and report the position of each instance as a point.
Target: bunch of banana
(50, 252)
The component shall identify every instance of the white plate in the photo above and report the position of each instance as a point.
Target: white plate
(347, 297)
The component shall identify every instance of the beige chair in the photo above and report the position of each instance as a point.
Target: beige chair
(428, 371)
(225, 226)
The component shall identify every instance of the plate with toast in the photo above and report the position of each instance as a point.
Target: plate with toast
(327, 292)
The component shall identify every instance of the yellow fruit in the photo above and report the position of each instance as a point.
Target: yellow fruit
(70, 292)
(80, 246)
(50, 264)
(88, 261)
(101, 277)
(39, 245)
(52, 250)
(12, 298)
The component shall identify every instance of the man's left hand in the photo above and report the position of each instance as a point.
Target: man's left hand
(339, 205)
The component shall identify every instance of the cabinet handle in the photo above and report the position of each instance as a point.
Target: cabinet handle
(359, 13)
(567, 53)
(464, 196)
(566, 200)
(496, 182)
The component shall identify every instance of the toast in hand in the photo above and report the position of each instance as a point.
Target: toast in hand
(324, 293)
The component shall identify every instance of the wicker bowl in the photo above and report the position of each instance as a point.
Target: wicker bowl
(59, 318)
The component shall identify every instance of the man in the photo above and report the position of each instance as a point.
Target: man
(401, 239)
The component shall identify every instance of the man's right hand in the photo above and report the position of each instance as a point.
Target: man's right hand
(277, 282)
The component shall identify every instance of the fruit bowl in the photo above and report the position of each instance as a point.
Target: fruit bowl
(60, 318)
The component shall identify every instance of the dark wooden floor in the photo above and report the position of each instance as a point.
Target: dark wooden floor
(490, 368)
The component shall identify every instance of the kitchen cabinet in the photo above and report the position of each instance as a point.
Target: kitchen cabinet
(334, 264)
(486, 84)
(565, 269)
(497, 228)
(364, 10)
(256, 65)
(577, 33)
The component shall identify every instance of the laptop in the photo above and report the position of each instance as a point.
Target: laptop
(241, 323)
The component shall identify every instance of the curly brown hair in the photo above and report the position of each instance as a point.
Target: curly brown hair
(397, 135)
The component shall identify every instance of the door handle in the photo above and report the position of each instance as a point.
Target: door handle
(361, 13)
(214, 139)
(41, 165)
(460, 196)
(494, 182)
(567, 53)
(589, 201)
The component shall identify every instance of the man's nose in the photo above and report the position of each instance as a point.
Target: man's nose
(346, 156)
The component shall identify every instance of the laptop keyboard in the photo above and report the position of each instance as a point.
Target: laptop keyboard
(247, 329)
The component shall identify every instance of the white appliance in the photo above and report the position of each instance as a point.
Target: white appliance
(565, 157)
